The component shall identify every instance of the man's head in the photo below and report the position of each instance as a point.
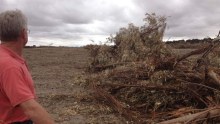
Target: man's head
(13, 26)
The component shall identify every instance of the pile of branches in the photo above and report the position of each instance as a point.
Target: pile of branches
(144, 80)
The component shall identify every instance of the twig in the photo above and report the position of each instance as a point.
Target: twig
(189, 83)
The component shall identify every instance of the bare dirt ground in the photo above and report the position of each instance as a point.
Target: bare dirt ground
(62, 89)
(61, 86)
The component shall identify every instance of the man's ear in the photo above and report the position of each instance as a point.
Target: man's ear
(24, 36)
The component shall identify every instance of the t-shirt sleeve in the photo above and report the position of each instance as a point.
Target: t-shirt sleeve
(16, 87)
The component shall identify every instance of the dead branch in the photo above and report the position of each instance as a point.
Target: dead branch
(196, 84)
(196, 52)
(98, 68)
(147, 87)
(218, 34)
(197, 96)
(206, 50)
(211, 74)
(203, 60)
(116, 105)
(181, 112)
(188, 119)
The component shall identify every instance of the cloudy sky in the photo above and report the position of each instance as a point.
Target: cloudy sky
(79, 22)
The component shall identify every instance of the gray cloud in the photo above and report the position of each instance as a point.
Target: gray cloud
(188, 18)
(82, 20)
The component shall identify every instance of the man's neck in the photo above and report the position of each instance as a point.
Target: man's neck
(14, 46)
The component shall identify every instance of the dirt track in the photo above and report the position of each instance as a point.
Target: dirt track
(62, 89)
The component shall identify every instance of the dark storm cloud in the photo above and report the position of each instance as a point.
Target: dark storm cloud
(76, 19)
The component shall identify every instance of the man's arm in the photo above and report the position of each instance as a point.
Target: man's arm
(36, 112)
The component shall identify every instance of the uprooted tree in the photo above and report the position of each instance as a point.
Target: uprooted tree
(143, 79)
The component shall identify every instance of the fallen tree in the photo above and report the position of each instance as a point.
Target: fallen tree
(143, 79)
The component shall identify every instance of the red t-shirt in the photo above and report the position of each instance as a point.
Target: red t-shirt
(16, 86)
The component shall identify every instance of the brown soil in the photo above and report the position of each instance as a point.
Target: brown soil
(62, 89)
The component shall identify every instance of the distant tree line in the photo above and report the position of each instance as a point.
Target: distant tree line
(190, 43)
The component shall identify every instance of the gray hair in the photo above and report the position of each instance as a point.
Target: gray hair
(12, 22)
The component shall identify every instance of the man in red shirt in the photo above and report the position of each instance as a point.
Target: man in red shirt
(17, 94)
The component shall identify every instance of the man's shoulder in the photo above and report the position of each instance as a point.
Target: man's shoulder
(8, 62)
